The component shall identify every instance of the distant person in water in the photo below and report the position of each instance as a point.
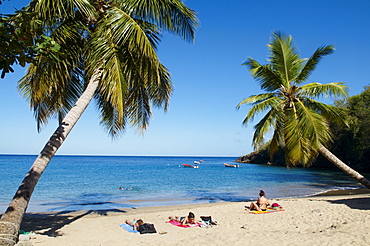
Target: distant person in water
(120, 188)
(261, 204)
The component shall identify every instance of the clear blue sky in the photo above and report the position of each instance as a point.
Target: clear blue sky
(208, 78)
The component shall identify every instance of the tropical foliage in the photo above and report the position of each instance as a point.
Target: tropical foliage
(352, 144)
(299, 124)
(107, 52)
(21, 39)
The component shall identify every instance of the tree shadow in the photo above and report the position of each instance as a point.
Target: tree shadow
(49, 223)
(362, 203)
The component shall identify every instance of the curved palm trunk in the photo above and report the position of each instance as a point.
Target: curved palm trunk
(354, 174)
(12, 218)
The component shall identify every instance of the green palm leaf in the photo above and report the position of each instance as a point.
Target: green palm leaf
(317, 90)
(260, 107)
(284, 58)
(173, 16)
(312, 62)
(266, 76)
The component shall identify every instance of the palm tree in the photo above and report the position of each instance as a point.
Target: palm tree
(298, 123)
(108, 52)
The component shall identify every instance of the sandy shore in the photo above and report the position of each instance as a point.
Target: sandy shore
(339, 218)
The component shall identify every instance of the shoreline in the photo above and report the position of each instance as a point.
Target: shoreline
(340, 217)
(133, 210)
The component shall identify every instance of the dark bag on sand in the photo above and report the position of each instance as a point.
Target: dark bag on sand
(146, 228)
(206, 218)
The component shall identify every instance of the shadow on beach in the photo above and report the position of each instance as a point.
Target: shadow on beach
(49, 223)
(361, 203)
(355, 203)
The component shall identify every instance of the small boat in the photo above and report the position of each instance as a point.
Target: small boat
(198, 162)
(231, 165)
(191, 166)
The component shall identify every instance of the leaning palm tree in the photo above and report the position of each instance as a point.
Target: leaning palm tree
(299, 124)
(108, 52)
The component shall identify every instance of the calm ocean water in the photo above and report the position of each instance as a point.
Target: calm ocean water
(92, 182)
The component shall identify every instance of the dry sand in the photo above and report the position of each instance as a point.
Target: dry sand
(334, 219)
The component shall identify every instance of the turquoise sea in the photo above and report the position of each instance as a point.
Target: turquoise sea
(92, 182)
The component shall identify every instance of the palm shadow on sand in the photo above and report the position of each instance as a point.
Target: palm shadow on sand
(362, 203)
(49, 223)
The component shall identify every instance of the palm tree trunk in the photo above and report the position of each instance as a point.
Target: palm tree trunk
(354, 174)
(12, 218)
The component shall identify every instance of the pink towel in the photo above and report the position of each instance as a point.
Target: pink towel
(178, 223)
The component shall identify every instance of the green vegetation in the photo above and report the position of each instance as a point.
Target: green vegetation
(22, 40)
(107, 52)
(299, 124)
(350, 143)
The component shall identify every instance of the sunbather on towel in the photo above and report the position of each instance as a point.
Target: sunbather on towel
(261, 204)
(135, 224)
(188, 220)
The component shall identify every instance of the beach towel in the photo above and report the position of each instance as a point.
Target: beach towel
(128, 228)
(266, 212)
(178, 223)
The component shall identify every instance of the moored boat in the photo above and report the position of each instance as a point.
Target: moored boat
(231, 165)
(191, 166)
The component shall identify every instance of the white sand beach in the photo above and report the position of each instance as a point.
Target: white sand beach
(319, 220)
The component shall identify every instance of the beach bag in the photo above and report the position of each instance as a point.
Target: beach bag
(208, 220)
(146, 228)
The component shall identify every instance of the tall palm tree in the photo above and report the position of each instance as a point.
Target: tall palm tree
(298, 123)
(108, 52)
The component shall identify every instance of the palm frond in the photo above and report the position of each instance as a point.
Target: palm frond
(284, 58)
(109, 117)
(317, 90)
(329, 112)
(267, 104)
(312, 62)
(51, 10)
(121, 47)
(298, 150)
(255, 99)
(134, 79)
(268, 78)
(171, 15)
(262, 128)
(161, 90)
(52, 86)
(277, 141)
(305, 130)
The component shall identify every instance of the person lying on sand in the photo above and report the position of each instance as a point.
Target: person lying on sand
(188, 220)
(135, 224)
(261, 204)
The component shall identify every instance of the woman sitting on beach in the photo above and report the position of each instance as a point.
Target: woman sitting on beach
(261, 204)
